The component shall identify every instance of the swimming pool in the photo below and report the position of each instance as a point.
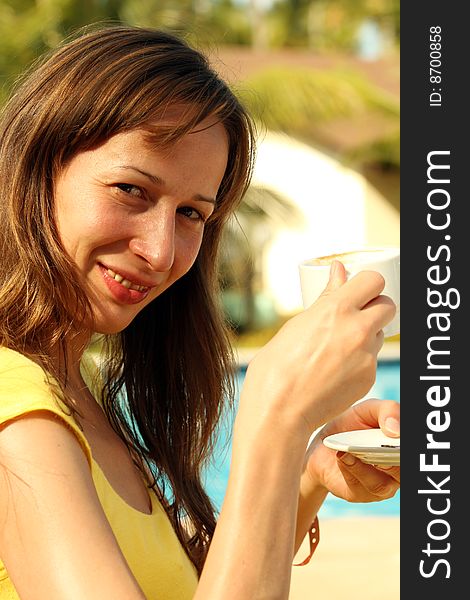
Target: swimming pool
(387, 386)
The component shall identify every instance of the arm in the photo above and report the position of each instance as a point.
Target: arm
(251, 553)
(311, 498)
(318, 364)
(52, 520)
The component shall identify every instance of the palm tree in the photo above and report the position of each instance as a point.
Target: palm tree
(300, 101)
(245, 240)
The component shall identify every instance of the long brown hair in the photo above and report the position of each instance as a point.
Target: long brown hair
(168, 372)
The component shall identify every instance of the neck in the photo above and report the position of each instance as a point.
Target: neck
(67, 359)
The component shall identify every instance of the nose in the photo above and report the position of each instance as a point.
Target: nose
(155, 242)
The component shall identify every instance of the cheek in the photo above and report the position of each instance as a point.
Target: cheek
(186, 252)
(80, 220)
(102, 228)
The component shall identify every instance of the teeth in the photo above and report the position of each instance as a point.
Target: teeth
(125, 282)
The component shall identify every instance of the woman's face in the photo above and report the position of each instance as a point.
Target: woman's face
(132, 217)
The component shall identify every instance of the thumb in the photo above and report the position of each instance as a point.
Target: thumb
(391, 427)
(389, 418)
(337, 276)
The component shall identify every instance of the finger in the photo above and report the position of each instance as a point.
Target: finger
(337, 277)
(379, 341)
(366, 414)
(393, 472)
(378, 483)
(356, 488)
(389, 419)
(379, 413)
(363, 287)
(379, 311)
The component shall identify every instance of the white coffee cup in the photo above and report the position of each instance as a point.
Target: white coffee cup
(315, 272)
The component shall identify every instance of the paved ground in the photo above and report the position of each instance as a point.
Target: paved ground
(357, 559)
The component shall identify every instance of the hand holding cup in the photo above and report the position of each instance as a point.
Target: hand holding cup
(314, 275)
(323, 359)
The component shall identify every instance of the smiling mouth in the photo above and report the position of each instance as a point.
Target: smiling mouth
(125, 282)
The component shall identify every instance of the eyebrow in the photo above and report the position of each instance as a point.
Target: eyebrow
(159, 181)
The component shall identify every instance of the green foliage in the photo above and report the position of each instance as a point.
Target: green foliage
(290, 98)
(298, 100)
(385, 151)
(329, 24)
(201, 21)
(30, 27)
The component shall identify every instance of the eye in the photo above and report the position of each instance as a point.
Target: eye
(192, 214)
(131, 190)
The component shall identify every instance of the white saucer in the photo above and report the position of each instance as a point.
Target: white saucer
(371, 446)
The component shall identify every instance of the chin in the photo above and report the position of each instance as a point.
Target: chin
(111, 327)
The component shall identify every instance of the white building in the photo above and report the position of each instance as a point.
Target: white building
(338, 211)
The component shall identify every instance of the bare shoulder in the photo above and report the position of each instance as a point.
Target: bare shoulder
(39, 450)
(51, 515)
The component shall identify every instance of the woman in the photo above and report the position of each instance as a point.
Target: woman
(121, 157)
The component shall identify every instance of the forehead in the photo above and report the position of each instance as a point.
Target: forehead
(206, 142)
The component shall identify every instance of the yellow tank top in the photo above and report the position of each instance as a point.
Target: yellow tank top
(148, 542)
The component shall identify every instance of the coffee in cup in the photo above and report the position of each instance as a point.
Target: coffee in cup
(315, 272)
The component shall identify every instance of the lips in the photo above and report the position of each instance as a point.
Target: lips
(124, 287)
(134, 279)
(125, 282)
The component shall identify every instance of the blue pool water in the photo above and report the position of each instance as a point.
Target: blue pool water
(387, 386)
